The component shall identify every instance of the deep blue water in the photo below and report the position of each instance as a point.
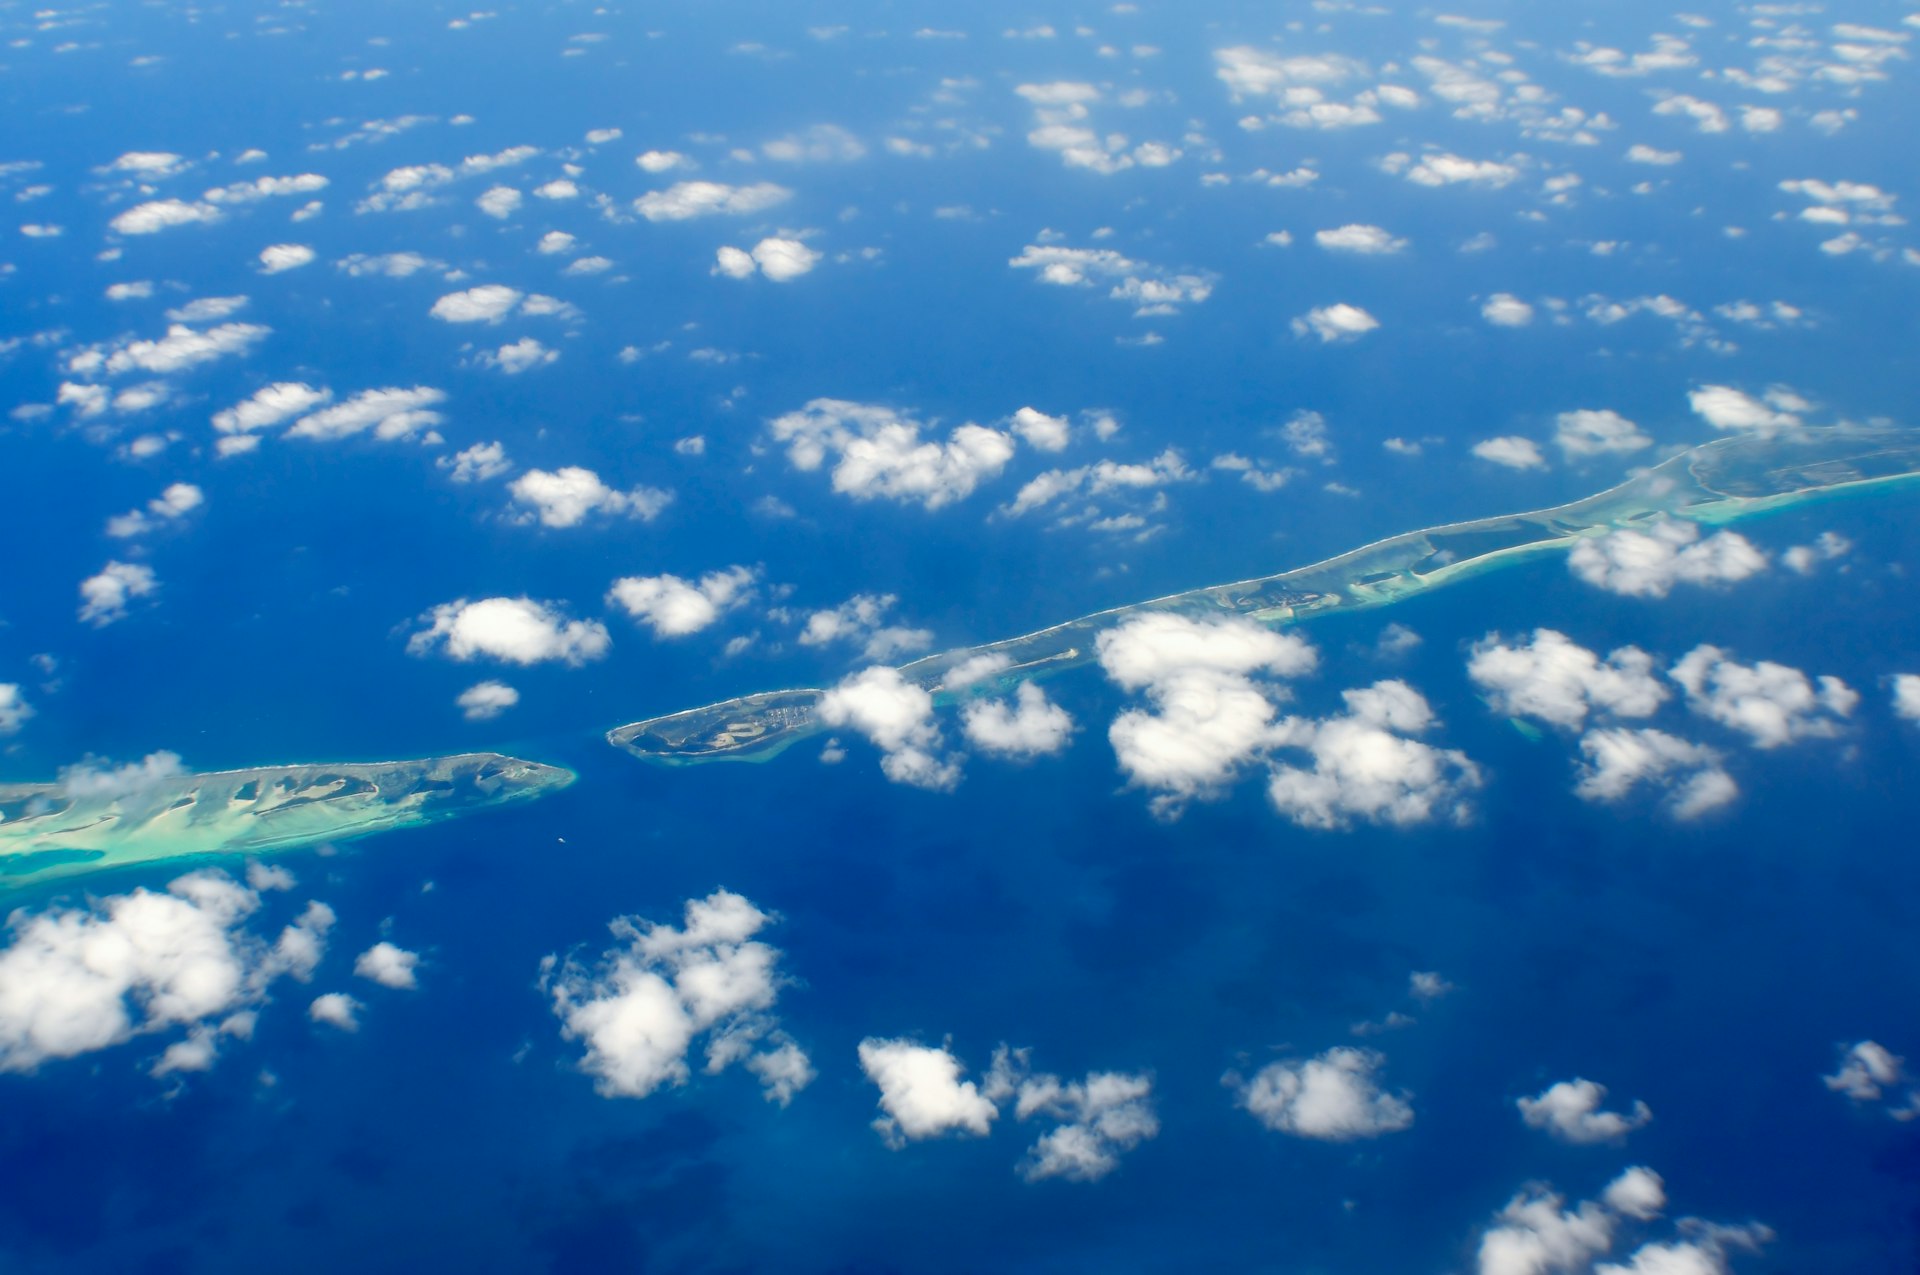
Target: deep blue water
(1710, 969)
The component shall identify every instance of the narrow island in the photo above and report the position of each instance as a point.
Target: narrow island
(1717, 482)
(57, 830)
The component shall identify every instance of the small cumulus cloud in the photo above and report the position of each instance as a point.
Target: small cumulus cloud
(513, 630)
(568, 496)
(1333, 1097)
(1651, 563)
(644, 1005)
(1337, 322)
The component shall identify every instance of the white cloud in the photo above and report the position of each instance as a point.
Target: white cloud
(1365, 767)
(588, 266)
(104, 597)
(1504, 310)
(641, 1009)
(177, 501)
(498, 202)
(921, 1092)
(476, 464)
(394, 265)
(1724, 407)
(1906, 696)
(1209, 717)
(1337, 322)
(517, 630)
(1099, 1118)
(265, 188)
(1151, 289)
(511, 157)
(662, 161)
(74, 980)
(1300, 87)
(1707, 116)
(1446, 169)
(1030, 726)
(1769, 703)
(161, 214)
(387, 965)
(1867, 1071)
(553, 242)
(1040, 431)
(1619, 760)
(858, 619)
(734, 263)
(685, 200)
(1643, 154)
(673, 607)
(336, 1009)
(391, 413)
(130, 784)
(517, 356)
(896, 716)
(1827, 546)
(207, 309)
(484, 701)
(137, 290)
(1100, 478)
(150, 165)
(488, 303)
(1571, 1112)
(1510, 451)
(1537, 1234)
(822, 143)
(281, 257)
(879, 452)
(1334, 1097)
(181, 348)
(1648, 564)
(1361, 239)
(269, 407)
(14, 709)
(566, 497)
(1597, 433)
(780, 260)
(1555, 679)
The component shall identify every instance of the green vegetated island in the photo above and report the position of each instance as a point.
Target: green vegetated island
(54, 830)
(1718, 482)
(60, 829)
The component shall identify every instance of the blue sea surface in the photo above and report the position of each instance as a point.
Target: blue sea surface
(1712, 969)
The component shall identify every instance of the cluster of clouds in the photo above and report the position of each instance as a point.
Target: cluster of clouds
(1668, 553)
(414, 186)
(1062, 123)
(879, 452)
(1587, 433)
(1550, 678)
(1871, 1075)
(780, 259)
(389, 413)
(1212, 713)
(642, 1007)
(182, 963)
(1572, 1111)
(1303, 89)
(1537, 1233)
(1332, 1097)
(156, 215)
(1151, 290)
(897, 716)
(1095, 1120)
